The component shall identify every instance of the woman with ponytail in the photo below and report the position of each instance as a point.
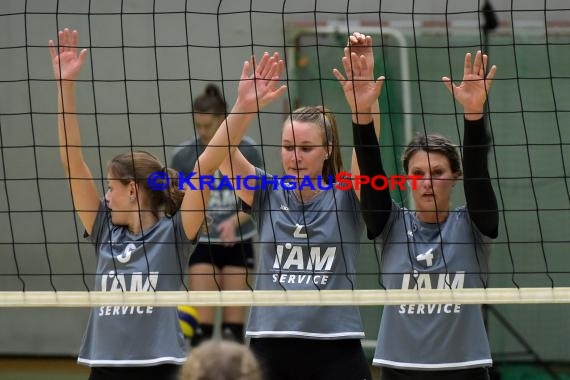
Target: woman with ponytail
(143, 238)
(309, 239)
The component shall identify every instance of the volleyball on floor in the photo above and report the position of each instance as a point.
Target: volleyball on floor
(188, 318)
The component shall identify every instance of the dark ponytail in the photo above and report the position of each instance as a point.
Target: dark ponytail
(211, 101)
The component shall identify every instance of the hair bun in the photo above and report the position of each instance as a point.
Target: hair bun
(213, 90)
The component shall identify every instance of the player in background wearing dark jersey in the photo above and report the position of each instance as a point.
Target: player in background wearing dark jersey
(225, 250)
(142, 242)
(432, 246)
(309, 239)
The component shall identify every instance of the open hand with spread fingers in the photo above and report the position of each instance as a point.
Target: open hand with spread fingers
(472, 92)
(359, 86)
(258, 83)
(66, 62)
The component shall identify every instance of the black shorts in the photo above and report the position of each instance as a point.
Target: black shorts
(163, 371)
(314, 359)
(479, 373)
(238, 255)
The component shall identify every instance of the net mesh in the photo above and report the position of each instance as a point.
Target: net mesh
(148, 60)
(146, 63)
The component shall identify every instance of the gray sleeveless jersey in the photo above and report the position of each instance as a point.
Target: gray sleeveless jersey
(308, 247)
(223, 203)
(136, 335)
(452, 254)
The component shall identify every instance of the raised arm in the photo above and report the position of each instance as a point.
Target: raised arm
(257, 88)
(362, 93)
(66, 66)
(361, 45)
(472, 95)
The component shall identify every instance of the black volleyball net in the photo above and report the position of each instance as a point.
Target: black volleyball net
(148, 60)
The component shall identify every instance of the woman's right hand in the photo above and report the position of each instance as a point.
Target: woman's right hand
(66, 62)
(258, 89)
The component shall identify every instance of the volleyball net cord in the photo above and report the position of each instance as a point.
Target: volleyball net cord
(358, 297)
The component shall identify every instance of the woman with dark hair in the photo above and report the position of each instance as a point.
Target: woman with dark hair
(434, 245)
(224, 253)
